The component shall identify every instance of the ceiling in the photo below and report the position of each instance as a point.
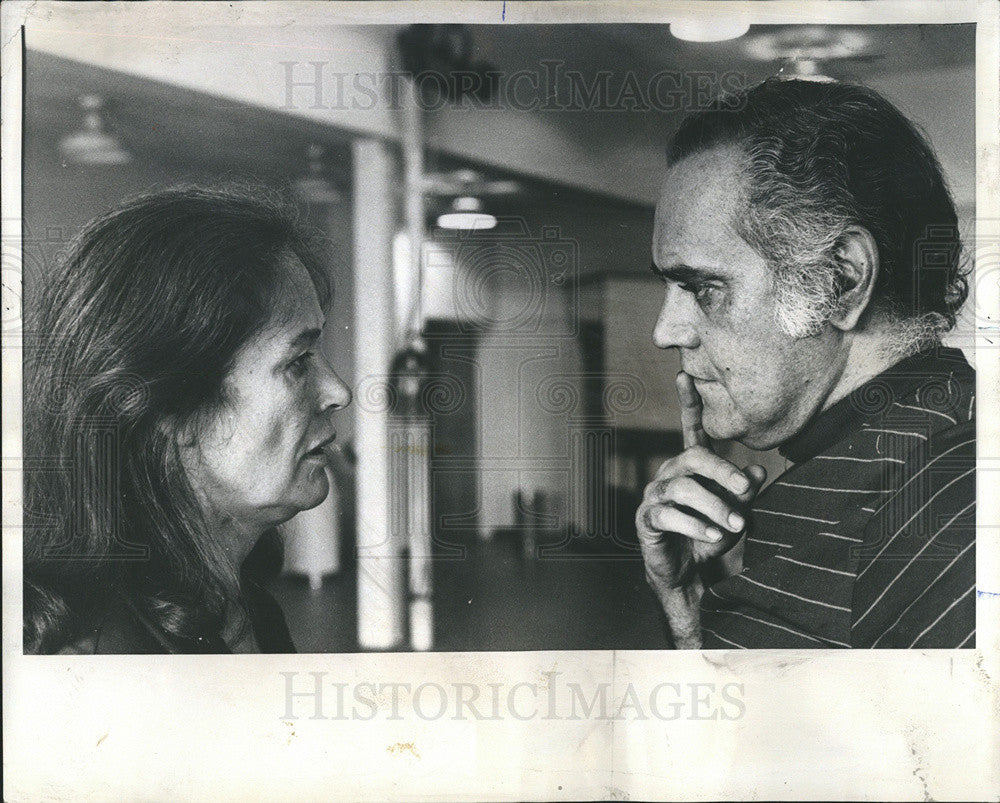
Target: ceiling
(198, 131)
(889, 48)
(206, 132)
(646, 49)
(202, 133)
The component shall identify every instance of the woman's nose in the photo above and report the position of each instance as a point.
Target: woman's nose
(334, 394)
(674, 328)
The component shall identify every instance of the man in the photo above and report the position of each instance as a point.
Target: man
(811, 259)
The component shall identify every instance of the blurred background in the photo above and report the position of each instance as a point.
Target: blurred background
(490, 226)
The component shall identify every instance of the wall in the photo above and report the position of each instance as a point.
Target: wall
(943, 103)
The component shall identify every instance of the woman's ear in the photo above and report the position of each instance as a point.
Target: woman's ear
(857, 271)
(182, 433)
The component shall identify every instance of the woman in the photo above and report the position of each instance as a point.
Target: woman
(176, 410)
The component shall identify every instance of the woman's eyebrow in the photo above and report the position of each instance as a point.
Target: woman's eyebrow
(305, 338)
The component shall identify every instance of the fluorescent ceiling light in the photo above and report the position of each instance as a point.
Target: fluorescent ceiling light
(467, 214)
(468, 221)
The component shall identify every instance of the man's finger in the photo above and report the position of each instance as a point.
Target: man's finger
(757, 475)
(694, 434)
(691, 494)
(702, 551)
(700, 462)
(658, 520)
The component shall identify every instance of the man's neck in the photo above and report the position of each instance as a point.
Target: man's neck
(869, 354)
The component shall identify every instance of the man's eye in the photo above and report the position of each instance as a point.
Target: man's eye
(705, 295)
(300, 364)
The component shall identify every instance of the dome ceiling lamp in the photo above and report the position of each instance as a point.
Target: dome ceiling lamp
(466, 213)
(709, 28)
(91, 144)
(314, 187)
(467, 188)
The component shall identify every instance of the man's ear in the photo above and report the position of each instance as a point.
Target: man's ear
(857, 271)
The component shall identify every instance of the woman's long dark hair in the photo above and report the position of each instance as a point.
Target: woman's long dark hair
(133, 337)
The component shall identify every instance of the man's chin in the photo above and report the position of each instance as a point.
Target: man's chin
(719, 430)
(759, 442)
(732, 431)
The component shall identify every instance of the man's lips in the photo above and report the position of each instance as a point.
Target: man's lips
(697, 378)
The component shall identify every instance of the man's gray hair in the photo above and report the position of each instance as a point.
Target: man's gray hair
(824, 157)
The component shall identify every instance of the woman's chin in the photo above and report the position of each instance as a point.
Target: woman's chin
(315, 490)
(306, 495)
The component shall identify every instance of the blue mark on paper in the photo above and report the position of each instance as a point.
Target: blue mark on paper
(987, 594)
(503, 11)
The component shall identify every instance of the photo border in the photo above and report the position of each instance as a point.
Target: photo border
(814, 724)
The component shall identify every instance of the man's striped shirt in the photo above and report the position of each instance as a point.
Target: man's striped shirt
(869, 539)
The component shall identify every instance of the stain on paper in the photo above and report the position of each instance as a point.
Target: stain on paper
(404, 747)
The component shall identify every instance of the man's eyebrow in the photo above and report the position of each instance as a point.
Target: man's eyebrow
(685, 274)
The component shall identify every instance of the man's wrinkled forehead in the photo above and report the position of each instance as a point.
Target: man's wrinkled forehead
(696, 215)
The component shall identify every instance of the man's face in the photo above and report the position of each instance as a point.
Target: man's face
(758, 385)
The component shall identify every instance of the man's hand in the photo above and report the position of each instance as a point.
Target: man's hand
(693, 510)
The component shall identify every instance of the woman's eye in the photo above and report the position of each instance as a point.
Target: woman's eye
(300, 364)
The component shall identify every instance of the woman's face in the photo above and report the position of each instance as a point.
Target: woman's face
(259, 460)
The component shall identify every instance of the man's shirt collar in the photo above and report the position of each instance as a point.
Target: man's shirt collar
(869, 401)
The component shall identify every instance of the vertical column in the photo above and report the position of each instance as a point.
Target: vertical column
(591, 450)
(413, 203)
(418, 519)
(380, 565)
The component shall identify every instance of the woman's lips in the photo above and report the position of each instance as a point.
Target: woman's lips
(319, 450)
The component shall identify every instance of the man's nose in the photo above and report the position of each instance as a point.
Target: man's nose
(674, 327)
(333, 393)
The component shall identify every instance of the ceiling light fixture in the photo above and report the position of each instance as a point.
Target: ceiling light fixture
(466, 213)
(314, 187)
(92, 145)
(813, 42)
(709, 29)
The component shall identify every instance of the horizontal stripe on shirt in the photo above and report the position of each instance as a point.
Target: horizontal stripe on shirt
(866, 541)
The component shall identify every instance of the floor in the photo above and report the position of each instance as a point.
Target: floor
(496, 599)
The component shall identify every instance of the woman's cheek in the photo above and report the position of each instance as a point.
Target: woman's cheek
(273, 433)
